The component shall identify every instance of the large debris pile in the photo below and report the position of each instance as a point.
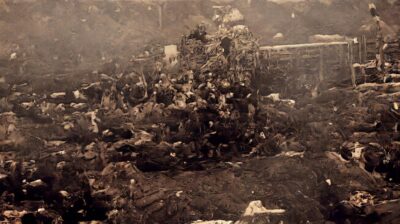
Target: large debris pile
(205, 110)
(94, 151)
(216, 85)
(126, 124)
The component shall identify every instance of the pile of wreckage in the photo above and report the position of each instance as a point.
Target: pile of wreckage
(203, 111)
(128, 124)
(93, 151)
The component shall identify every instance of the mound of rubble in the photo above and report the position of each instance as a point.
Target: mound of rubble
(130, 123)
(173, 141)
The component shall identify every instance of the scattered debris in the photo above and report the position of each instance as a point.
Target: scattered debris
(256, 208)
(99, 147)
(212, 222)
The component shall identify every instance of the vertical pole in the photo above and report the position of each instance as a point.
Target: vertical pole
(321, 65)
(353, 73)
(341, 61)
(160, 15)
(353, 76)
(365, 49)
(360, 50)
(380, 42)
(351, 53)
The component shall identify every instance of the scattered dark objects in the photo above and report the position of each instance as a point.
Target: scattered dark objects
(94, 152)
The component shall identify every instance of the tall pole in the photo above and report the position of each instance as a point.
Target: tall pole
(160, 15)
(380, 42)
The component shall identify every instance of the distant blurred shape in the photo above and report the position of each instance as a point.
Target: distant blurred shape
(4, 6)
(234, 15)
(227, 15)
(93, 9)
(13, 56)
(278, 36)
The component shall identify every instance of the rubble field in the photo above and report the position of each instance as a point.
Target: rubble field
(191, 140)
